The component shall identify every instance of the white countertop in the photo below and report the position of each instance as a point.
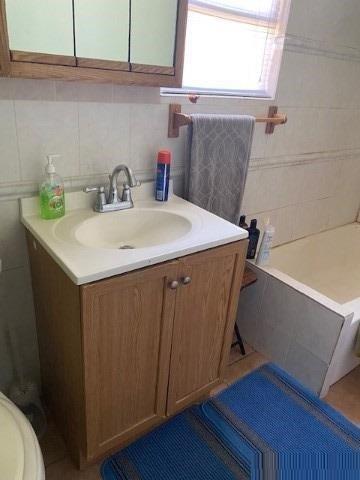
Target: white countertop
(84, 264)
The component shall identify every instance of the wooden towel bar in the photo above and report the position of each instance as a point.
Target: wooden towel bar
(178, 119)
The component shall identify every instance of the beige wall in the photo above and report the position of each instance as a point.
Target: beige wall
(305, 177)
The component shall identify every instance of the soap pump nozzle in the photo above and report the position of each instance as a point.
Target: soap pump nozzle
(50, 167)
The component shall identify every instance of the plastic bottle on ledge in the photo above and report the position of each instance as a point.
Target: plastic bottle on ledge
(52, 198)
(266, 243)
(254, 234)
(243, 223)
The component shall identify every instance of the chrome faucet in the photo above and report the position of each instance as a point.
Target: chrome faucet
(112, 202)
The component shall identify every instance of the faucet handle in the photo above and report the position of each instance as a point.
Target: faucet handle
(100, 189)
(101, 197)
(126, 194)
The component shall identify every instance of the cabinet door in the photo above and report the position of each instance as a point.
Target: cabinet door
(127, 326)
(102, 33)
(204, 321)
(43, 28)
(153, 33)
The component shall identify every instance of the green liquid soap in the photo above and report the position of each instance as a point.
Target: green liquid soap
(52, 202)
(51, 192)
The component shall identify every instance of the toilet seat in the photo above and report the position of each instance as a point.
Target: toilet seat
(20, 454)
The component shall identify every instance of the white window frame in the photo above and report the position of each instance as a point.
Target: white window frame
(279, 26)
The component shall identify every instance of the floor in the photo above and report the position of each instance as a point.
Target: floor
(344, 396)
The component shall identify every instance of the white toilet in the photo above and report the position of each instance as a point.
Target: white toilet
(20, 454)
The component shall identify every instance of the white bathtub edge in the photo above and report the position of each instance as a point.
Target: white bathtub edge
(342, 309)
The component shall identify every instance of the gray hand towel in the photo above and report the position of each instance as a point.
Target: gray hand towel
(218, 155)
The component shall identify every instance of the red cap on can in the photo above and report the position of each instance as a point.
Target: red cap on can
(164, 156)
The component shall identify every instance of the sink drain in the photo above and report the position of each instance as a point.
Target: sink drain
(126, 247)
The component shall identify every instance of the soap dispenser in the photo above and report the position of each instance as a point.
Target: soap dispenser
(52, 198)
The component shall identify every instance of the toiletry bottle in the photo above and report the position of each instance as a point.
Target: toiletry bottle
(254, 234)
(243, 223)
(52, 199)
(162, 175)
(265, 246)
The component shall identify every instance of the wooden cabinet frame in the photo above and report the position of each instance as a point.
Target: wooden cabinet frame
(45, 66)
(85, 332)
(234, 255)
(91, 325)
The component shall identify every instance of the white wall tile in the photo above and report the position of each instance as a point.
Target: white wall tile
(344, 208)
(282, 219)
(15, 285)
(12, 238)
(9, 155)
(349, 180)
(300, 134)
(273, 188)
(320, 180)
(312, 217)
(26, 89)
(251, 199)
(127, 94)
(5, 88)
(43, 128)
(104, 136)
(148, 129)
(321, 82)
(334, 23)
(92, 92)
(67, 91)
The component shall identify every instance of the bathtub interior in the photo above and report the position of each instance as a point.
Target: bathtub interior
(328, 262)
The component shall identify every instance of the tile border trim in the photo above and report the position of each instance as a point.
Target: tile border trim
(302, 159)
(14, 190)
(296, 44)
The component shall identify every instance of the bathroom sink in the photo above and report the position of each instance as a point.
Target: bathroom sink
(90, 246)
(130, 229)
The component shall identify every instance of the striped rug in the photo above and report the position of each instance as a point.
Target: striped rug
(265, 426)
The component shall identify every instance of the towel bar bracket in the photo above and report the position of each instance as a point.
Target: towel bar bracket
(178, 119)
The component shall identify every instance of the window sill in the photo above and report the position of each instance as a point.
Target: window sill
(214, 99)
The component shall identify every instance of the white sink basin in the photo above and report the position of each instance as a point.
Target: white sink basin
(91, 246)
(128, 229)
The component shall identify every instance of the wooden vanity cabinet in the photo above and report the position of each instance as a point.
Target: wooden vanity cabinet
(120, 355)
(203, 322)
(127, 325)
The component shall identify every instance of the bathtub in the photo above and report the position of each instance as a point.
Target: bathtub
(304, 311)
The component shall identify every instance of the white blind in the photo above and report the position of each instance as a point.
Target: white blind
(232, 46)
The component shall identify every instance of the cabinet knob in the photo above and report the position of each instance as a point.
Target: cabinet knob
(186, 280)
(174, 284)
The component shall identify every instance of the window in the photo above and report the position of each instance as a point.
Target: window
(233, 47)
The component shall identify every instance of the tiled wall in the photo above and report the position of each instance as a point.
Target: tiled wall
(305, 177)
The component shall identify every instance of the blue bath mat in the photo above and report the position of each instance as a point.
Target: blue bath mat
(265, 426)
